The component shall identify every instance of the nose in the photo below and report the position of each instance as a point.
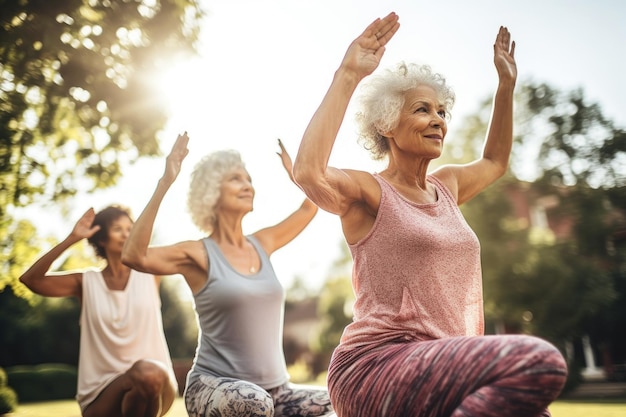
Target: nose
(437, 121)
(247, 187)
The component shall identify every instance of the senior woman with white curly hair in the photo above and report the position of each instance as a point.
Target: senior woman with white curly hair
(239, 368)
(416, 345)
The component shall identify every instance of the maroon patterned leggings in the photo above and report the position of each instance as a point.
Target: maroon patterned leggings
(486, 376)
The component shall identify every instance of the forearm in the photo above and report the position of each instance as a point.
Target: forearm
(39, 269)
(136, 246)
(499, 138)
(309, 210)
(320, 135)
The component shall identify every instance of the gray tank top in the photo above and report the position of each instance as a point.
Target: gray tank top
(240, 322)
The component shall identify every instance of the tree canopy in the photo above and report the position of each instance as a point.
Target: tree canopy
(78, 95)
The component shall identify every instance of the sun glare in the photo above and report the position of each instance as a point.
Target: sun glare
(176, 86)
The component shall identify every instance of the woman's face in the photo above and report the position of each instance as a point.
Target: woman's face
(236, 191)
(422, 125)
(118, 232)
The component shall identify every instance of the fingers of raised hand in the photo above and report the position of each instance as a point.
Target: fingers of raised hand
(384, 29)
(503, 41)
(180, 149)
(282, 146)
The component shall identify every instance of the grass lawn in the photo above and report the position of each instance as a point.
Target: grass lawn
(69, 408)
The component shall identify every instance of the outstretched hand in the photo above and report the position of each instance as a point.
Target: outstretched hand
(84, 229)
(364, 53)
(504, 55)
(174, 160)
(286, 160)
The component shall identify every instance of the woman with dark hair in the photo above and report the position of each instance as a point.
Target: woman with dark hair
(124, 366)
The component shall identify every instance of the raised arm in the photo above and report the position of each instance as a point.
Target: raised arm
(277, 236)
(37, 278)
(332, 189)
(476, 176)
(166, 260)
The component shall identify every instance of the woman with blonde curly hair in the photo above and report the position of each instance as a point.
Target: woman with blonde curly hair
(239, 368)
(416, 345)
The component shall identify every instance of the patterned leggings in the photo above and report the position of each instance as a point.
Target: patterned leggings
(486, 376)
(209, 396)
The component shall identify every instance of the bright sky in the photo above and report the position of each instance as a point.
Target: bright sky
(265, 65)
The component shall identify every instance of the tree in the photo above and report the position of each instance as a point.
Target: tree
(577, 144)
(179, 318)
(559, 287)
(77, 94)
(334, 307)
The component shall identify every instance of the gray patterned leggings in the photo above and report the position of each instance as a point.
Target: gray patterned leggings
(209, 396)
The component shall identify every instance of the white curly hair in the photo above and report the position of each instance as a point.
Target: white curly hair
(381, 98)
(204, 187)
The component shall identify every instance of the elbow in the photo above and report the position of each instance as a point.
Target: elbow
(131, 260)
(299, 174)
(24, 280)
(305, 178)
(502, 168)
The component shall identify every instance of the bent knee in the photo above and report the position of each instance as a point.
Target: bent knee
(547, 359)
(149, 376)
(249, 400)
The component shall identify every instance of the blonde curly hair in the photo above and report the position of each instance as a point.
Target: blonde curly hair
(204, 187)
(381, 98)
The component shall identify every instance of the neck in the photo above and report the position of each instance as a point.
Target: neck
(228, 232)
(116, 269)
(410, 173)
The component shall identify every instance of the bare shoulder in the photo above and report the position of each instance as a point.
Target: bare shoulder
(447, 175)
(195, 251)
(369, 189)
(195, 270)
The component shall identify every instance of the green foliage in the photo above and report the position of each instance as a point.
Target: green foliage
(8, 396)
(78, 97)
(576, 143)
(567, 280)
(335, 310)
(8, 400)
(17, 253)
(45, 331)
(179, 319)
(43, 382)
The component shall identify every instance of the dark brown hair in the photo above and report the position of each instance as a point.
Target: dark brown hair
(104, 218)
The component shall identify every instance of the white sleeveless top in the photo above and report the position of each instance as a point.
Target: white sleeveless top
(118, 328)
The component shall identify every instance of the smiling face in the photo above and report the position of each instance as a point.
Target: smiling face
(236, 192)
(422, 124)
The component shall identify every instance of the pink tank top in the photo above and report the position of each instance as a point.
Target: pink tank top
(416, 274)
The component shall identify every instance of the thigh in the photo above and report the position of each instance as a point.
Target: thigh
(109, 401)
(292, 400)
(225, 397)
(424, 378)
(147, 378)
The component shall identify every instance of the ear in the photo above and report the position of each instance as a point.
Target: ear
(387, 135)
